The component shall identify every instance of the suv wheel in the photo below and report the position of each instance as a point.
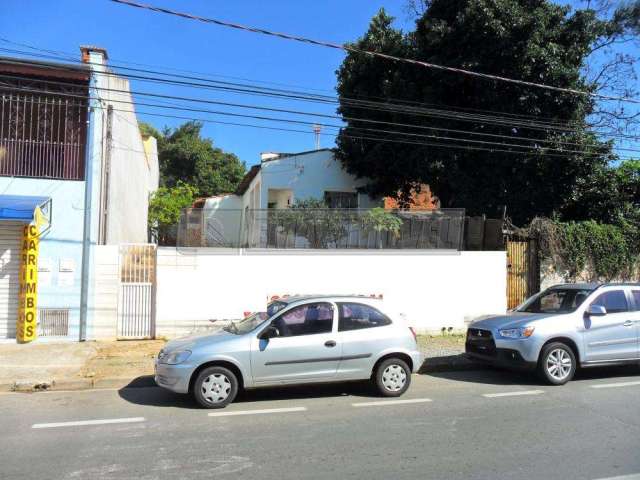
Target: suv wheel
(557, 363)
(215, 387)
(392, 377)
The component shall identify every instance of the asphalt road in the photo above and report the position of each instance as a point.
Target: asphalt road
(467, 425)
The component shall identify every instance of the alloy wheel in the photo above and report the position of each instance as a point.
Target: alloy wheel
(559, 364)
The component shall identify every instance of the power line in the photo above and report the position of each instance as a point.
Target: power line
(296, 112)
(72, 57)
(527, 148)
(356, 103)
(296, 95)
(360, 137)
(504, 120)
(349, 48)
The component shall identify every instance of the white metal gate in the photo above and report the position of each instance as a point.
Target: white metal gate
(136, 296)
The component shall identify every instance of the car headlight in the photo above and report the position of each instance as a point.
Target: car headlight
(523, 332)
(175, 358)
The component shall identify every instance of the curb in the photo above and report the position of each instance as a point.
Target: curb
(77, 384)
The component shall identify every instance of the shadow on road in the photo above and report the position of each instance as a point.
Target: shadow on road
(495, 376)
(139, 393)
(488, 376)
(352, 389)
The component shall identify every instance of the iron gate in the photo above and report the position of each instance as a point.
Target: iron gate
(136, 295)
(523, 271)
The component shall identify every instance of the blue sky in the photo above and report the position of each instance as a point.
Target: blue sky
(133, 35)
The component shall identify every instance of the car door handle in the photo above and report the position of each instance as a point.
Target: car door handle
(330, 343)
(628, 323)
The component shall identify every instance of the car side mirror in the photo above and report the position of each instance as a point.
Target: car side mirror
(596, 311)
(269, 332)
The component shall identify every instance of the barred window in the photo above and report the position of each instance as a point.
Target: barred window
(341, 199)
(42, 130)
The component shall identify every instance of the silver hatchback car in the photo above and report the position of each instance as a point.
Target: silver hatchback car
(315, 339)
(562, 328)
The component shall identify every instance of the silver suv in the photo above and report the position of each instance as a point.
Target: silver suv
(298, 340)
(562, 328)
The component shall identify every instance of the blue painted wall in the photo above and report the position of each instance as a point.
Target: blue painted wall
(63, 241)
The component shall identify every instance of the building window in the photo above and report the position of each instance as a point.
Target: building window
(42, 130)
(341, 199)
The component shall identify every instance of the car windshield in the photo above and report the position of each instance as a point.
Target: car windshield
(247, 324)
(555, 300)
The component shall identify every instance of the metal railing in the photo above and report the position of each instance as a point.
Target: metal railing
(42, 135)
(307, 228)
(53, 322)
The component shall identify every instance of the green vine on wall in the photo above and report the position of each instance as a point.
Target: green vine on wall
(606, 251)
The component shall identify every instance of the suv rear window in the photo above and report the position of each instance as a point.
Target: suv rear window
(636, 298)
(356, 316)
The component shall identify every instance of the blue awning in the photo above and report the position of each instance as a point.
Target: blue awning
(19, 207)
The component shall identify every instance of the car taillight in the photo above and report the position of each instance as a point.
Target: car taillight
(413, 332)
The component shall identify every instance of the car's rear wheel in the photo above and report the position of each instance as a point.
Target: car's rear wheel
(392, 377)
(557, 364)
(215, 387)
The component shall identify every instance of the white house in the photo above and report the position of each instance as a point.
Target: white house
(277, 182)
(282, 178)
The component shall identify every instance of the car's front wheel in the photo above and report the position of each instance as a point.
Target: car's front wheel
(392, 377)
(557, 363)
(215, 387)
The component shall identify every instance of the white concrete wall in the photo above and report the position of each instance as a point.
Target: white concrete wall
(133, 170)
(432, 289)
(104, 316)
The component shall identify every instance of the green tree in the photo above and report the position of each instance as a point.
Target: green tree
(379, 221)
(610, 195)
(313, 220)
(165, 207)
(184, 155)
(531, 40)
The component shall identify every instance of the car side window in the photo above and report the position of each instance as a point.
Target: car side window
(308, 319)
(615, 301)
(356, 316)
(636, 298)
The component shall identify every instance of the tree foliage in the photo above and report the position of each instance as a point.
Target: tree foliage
(313, 220)
(611, 194)
(589, 250)
(532, 40)
(165, 207)
(185, 156)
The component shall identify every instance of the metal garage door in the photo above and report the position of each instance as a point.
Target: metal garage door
(10, 238)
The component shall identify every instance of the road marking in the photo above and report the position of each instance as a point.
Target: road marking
(513, 394)
(385, 403)
(635, 476)
(616, 385)
(257, 412)
(88, 422)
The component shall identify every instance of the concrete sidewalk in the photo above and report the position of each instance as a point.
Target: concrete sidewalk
(74, 365)
(116, 364)
(444, 353)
